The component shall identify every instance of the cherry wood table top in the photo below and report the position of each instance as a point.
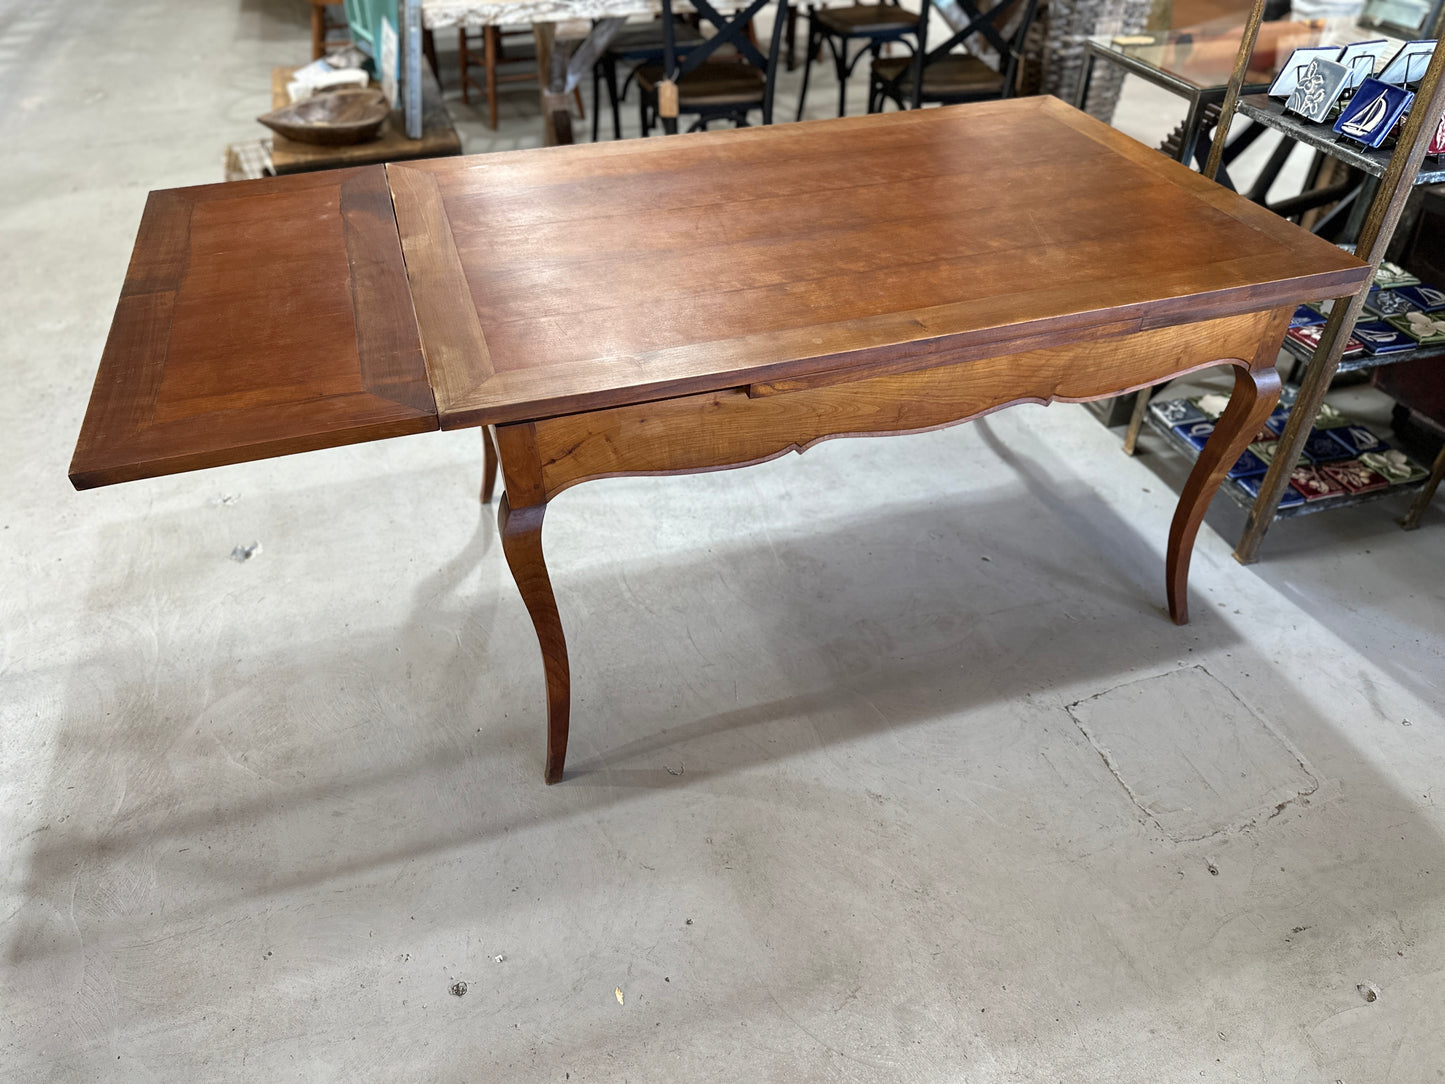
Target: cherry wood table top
(567, 279)
(257, 318)
(275, 316)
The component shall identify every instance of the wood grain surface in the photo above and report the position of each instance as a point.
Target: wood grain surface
(716, 430)
(256, 319)
(616, 273)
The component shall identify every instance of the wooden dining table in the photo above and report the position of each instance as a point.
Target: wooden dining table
(694, 303)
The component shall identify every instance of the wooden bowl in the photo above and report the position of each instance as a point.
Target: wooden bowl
(331, 118)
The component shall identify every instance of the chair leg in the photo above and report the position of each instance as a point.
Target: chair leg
(807, 67)
(614, 97)
(840, 65)
(462, 61)
(596, 99)
(577, 97)
(491, 38)
(318, 31)
(429, 49)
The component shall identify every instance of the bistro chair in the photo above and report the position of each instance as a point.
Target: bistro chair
(709, 86)
(942, 75)
(635, 44)
(875, 25)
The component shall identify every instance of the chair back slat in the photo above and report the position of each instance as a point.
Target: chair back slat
(731, 30)
(986, 24)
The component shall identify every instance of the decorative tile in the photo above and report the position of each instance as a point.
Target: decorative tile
(1362, 58)
(1328, 417)
(1288, 394)
(1388, 302)
(1276, 422)
(1265, 449)
(1380, 338)
(1211, 405)
(1391, 275)
(1358, 439)
(1409, 64)
(1423, 296)
(1314, 484)
(1310, 337)
(1251, 486)
(1355, 476)
(1196, 433)
(1425, 329)
(1174, 412)
(1318, 88)
(1288, 78)
(1395, 465)
(1373, 111)
(1247, 465)
(1321, 447)
(1306, 316)
(1437, 141)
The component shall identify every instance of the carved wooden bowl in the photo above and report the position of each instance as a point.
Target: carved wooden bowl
(331, 118)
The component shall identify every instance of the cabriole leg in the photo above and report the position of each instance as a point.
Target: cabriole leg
(521, 530)
(1255, 394)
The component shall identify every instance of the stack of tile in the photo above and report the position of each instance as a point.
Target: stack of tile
(1341, 458)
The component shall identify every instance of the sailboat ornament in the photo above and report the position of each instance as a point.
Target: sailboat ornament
(1373, 111)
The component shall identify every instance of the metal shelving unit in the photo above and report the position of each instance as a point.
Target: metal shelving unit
(1242, 497)
(1270, 112)
(1367, 361)
(1398, 171)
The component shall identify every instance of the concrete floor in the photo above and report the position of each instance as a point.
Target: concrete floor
(886, 764)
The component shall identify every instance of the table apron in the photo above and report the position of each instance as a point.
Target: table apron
(718, 430)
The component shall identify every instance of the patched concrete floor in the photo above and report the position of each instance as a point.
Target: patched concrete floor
(886, 763)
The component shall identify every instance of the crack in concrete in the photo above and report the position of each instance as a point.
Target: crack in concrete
(1230, 828)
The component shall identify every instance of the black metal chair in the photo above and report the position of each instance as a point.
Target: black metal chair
(635, 44)
(709, 86)
(875, 25)
(942, 75)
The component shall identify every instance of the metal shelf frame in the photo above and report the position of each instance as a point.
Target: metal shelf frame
(1398, 172)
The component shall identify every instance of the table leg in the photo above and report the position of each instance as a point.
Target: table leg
(519, 519)
(552, 75)
(521, 530)
(1255, 393)
(489, 466)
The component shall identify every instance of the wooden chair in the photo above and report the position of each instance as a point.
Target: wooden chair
(320, 25)
(876, 25)
(942, 75)
(494, 57)
(709, 86)
(635, 45)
